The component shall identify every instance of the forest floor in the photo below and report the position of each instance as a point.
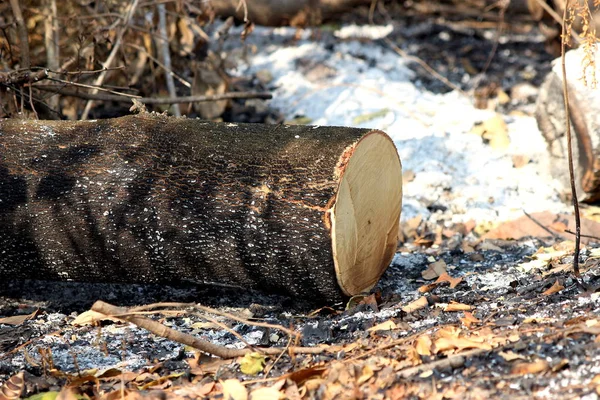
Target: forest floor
(462, 312)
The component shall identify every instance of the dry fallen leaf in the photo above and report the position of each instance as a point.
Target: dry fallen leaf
(557, 287)
(457, 307)
(539, 320)
(415, 305)
(18, 319)
(423, 345)
(266, 393)
(234, 390)
(67, 393)
(533, 265)
(520, 160)
(447, 278)
(90, 317)
(187, 36)
(445, 344)
(525, 226)
(384, 326)
(510, 356)
(434, 270)
(466, 248)
(302, 375)
(488, 245)
(13, 387)
(530, 368)
(366, 374)
(449, 332)
(494, 130)
(408, 176)
(596, 381)
(428, 288)
(469, 319)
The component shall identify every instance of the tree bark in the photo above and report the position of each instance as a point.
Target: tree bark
(584, 114)
(308, 211)
(283, 12)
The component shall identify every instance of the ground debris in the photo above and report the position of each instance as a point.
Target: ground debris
(498, 324)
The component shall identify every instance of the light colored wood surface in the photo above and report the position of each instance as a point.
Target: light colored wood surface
(366, 213)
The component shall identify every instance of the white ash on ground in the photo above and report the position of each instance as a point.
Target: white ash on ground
(350, 81)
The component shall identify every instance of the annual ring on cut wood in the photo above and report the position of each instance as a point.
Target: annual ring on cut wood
(366, 213)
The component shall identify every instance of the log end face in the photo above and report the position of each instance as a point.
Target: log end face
(366, 213)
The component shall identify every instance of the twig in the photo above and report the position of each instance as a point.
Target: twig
(155, 100)
(161, 330)
(563, 43)
(93, 71)
(538, 223)
(166, 55)
(453, 361)
(425, 66)
(216, 312)
(270, 367)
(22, 76)
(416, 59)
(557, 18)
(31, 103)
(205, 317)
(118, 42)
(160, 64)
(503, 4)
(51, 43)
(583, 235)
(242, 4)
(96, 88)
(23, 37)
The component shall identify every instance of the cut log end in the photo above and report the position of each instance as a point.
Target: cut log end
(366, 213)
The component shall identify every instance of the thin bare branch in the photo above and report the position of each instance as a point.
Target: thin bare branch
(118, 42)
(216, 312)
(23, 36)
(154, 100)
(538, 223)
(94, 88)
(51, 42)
(583, 235)
(22, 76)
(161, 330)
(557, 18)
(569, 141)
(425, 66)
(503, 5)
(160, 64)
(166, 55)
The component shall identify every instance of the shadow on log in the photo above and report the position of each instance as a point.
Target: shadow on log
(306, 211)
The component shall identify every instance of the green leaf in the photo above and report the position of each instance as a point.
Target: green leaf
(252, 363)
(361, 119)
(44, 396)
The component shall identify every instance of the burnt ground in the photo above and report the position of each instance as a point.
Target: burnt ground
(501, 331)
(508, 336)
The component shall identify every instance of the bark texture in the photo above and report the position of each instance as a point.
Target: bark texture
(584, 113)
(155, 199)
(284, 12)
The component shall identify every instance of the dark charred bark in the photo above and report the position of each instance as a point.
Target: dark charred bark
(155, 199)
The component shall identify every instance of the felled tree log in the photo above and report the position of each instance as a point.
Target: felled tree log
(308, 211)
(283, 12)
(312, 12)
(584, 113)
